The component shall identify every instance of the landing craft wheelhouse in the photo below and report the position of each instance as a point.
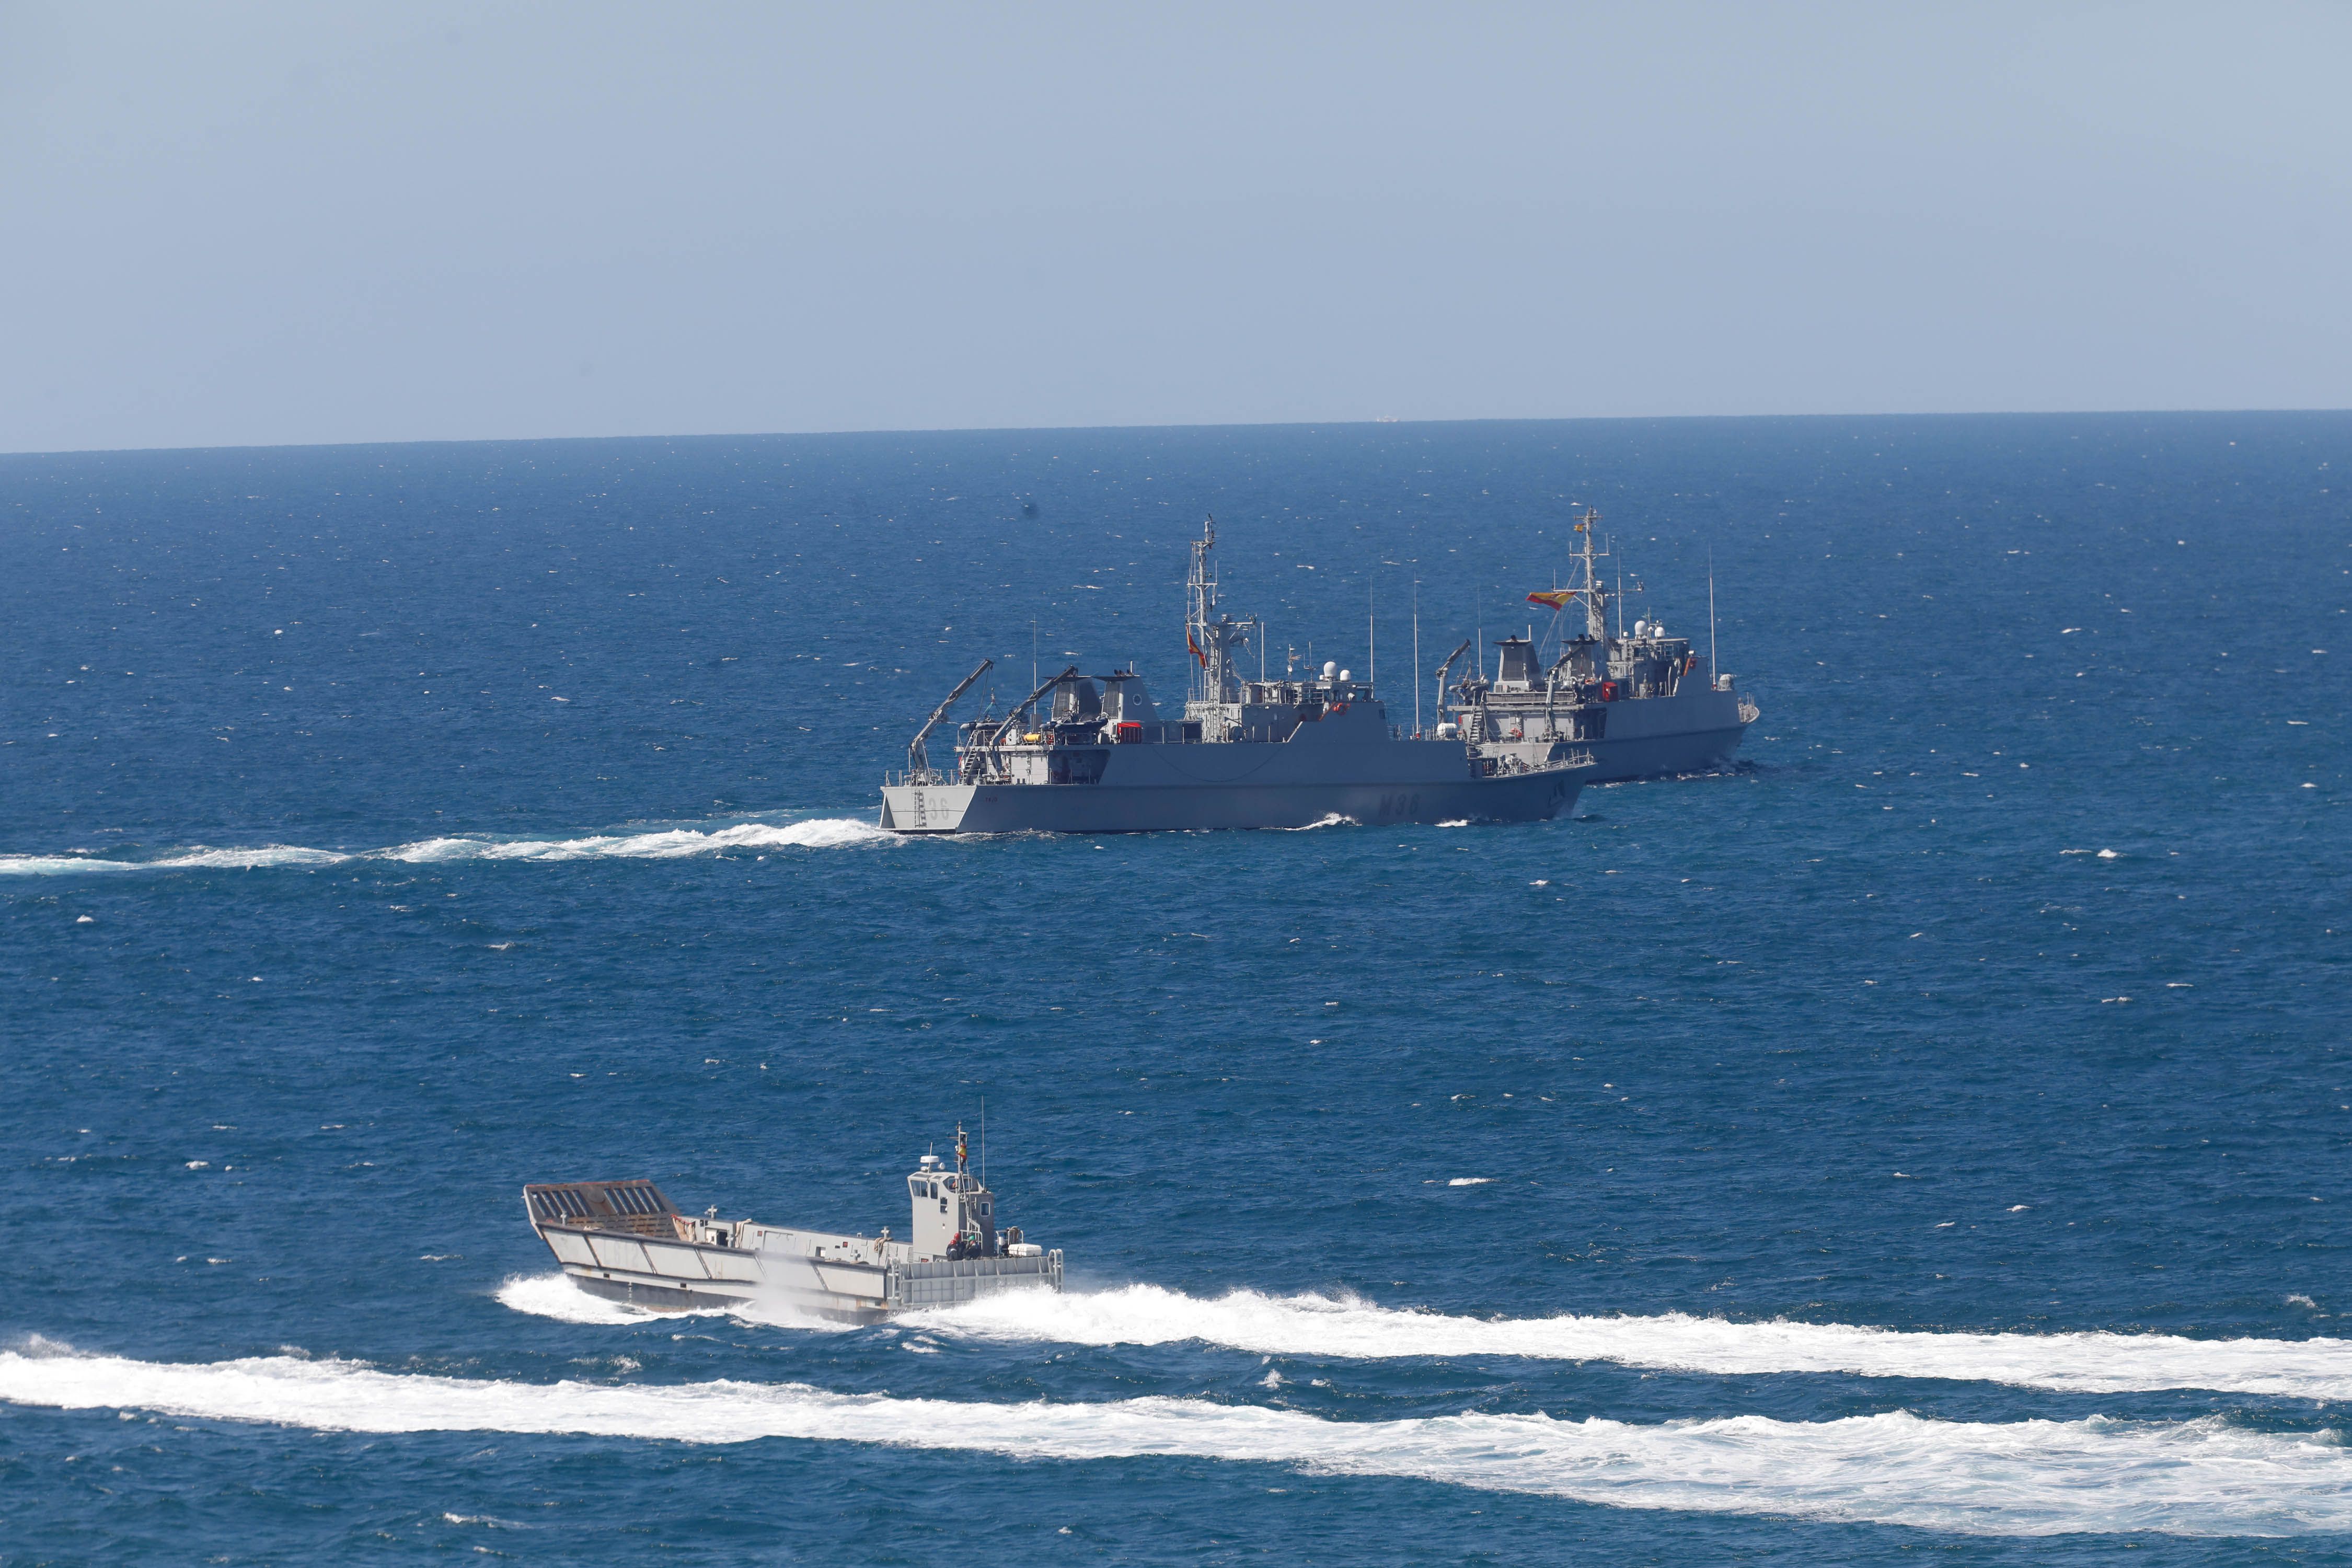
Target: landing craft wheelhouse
(1094, 754)
(626, 1241)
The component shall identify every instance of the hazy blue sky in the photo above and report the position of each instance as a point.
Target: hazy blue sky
(228, 224)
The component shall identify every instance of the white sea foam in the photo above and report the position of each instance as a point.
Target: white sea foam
(2204, 1478)
(821, 832)
(199, 859)
(556, 1296)
(778, 1310)
(1328, 819)
(1345, 1328)
(668, 844)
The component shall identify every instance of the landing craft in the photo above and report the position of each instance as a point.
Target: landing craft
(627, 1242)
(1092, 753)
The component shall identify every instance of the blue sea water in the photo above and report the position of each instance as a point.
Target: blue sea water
(1929, 1137)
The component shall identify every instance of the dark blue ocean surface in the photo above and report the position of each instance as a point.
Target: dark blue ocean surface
(381, 829)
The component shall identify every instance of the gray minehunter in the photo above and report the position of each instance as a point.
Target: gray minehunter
(1639, 705)
(1092, 754)
(626, 1241)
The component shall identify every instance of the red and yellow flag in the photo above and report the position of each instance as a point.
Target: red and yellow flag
(1196, 650)
(1553, 598)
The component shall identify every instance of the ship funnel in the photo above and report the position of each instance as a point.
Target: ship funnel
(1517, 669)
(1076, 697)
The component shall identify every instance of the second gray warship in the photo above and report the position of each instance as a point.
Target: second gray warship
(1092, 753)
(1644, 706)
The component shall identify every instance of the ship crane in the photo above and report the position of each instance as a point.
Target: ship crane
(919, 759)
(986, 753)
(1447, 668)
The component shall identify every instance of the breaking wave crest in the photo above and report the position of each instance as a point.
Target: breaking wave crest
(556, 1296)
(669, 844)
(1348, 1329)
(1328, 819)
(2203, 1477)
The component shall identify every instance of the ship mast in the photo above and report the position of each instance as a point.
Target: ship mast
(1210, 637)
(1596, 615)
(1200, 606)
(1711, 677)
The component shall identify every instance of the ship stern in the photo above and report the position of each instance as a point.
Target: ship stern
(926, 808)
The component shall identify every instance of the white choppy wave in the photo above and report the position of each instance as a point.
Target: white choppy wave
(1328, 819)
(668, 844)
(1344, 1328)
(556, 1296)
(2204, 1478)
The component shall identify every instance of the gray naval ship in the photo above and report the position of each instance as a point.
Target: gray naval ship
(1093, 753)
(1640, 706)
(626, 1241)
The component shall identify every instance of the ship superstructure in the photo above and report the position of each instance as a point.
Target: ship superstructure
(626, 1241)
(1641, 705)
(1093, 753)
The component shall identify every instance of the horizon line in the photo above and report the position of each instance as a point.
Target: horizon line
(1373, 423)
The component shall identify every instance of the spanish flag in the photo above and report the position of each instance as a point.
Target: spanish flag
(1553, 598)
(1196, 650)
